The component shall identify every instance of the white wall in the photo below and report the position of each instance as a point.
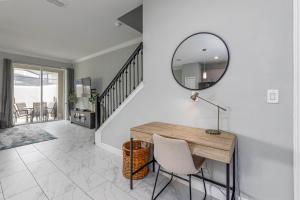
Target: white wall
(21, 93)
(259, 36)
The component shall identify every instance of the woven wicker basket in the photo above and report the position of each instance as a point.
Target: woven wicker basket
(141, 154)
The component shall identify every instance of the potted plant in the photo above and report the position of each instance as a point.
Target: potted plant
(93, 100)
(72, 99)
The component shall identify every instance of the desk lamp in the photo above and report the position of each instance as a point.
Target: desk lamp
(195, 97)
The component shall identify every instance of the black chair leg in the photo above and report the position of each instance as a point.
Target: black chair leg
(190, 186)
(205, 193)
(156, 184)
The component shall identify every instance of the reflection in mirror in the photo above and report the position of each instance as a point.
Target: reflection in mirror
(200, 61)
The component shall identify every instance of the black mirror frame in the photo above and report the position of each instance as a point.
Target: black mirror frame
(227, 65)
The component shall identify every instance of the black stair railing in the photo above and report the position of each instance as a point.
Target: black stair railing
(126, 81)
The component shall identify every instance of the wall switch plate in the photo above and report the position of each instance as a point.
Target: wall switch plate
(273, 96)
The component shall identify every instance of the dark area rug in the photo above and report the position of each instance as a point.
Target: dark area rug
(22, 135)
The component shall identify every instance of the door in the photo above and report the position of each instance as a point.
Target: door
(38, 94)
(27, 94)
(53, 93)
(190, 82)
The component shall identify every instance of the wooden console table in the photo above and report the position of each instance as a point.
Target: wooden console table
(219, 148)
(83, 118)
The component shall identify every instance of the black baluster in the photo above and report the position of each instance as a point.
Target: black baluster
(105, 106)
(126, 72)
(105, 102)
(111, 104)
(120, 90)
(123, 87)
(129, 66)
(108, 104)
(116, 94)
(99, 103)
(105, 96)
(137, 65)
(117, 103)
(142, 75)
(110, 101)
(102, 111)
(134, 73)
(102, 107)
(113, 97)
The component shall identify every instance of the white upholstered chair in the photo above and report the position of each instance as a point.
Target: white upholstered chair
(175, 157)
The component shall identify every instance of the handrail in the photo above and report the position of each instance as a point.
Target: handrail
(125, 81)
(136, 51)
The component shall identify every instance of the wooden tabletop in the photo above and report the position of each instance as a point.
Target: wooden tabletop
(215, 147)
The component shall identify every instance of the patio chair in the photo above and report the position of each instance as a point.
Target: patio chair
(37, 110)
(52, 110)
(20, 110)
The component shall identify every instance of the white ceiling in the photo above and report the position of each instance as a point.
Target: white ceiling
(82, 28)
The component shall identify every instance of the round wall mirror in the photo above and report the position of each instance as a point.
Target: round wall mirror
(200, 61)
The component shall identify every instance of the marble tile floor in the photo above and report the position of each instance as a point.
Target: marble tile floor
(73, 168)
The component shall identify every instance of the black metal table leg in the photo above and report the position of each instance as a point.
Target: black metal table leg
(131, 163)
(153, 165)
(153, 159)
(229, 195)
(233, 175)
(228, 181)
(190, 186)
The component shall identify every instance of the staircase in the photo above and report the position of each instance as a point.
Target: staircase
(122, 85)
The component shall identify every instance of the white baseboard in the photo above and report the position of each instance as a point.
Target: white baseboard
(98, 139)
(111, 149)
(212, 190)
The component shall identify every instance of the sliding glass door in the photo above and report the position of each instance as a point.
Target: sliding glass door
(53, 93)
(27, 91)
(38, 94)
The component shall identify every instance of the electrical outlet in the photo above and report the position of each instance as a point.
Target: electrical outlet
(273, 96)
